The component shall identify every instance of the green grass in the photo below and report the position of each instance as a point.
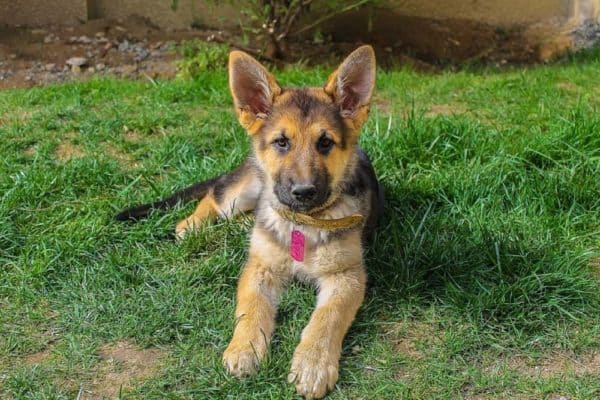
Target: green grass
(485, 267)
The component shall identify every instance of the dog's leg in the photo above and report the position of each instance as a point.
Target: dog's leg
(259, 289)
(315, 363)
(230, 194)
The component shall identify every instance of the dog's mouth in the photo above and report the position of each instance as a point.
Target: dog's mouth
(287, 201)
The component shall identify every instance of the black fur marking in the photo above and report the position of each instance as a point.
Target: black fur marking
(364, 180)
(306, 103)
(227, 180)
(196, 191)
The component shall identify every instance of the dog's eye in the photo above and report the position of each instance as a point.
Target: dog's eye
(324, 144)
(282, 143)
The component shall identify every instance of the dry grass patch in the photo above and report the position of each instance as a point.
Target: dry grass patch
(410, 338)
(547, 366)
(123, 158)
(66, 151)
(39, 357)
(567, 86)
(445, 109)
(133, 136)
(383, 104)
(30, 151)
(122, 365)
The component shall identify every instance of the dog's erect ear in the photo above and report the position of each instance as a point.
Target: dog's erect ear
(253, 89)
(351, 85)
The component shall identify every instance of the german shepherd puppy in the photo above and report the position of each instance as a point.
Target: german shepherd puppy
(305, 163)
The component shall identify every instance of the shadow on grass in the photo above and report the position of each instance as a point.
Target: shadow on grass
(493, 270)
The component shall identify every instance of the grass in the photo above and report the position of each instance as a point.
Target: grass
(484, 276)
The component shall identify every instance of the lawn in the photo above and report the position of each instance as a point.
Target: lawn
(484, 279)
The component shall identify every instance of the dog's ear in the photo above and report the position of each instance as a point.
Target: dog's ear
(351, 85)
(253, 89)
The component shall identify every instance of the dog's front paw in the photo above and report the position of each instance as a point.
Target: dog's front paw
(314, 371)
(184, 228)
(241, 359)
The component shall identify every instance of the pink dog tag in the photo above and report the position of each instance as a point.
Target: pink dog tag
(297, 245)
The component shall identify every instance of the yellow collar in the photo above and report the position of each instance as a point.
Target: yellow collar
(348, 222)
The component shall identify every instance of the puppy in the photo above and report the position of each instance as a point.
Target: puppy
(315, 197)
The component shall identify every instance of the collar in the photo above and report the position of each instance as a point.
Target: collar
(335, 224)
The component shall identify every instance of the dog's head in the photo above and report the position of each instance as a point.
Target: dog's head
(303, 138)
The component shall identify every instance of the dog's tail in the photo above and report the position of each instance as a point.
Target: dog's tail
(194, 192)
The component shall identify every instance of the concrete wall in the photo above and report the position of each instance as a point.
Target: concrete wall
(225, 14)
(162, 14)
(495, 12)
(42, 12)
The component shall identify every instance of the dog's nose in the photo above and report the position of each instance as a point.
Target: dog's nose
(304, 192)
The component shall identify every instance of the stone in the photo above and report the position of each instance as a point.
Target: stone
(124, 46)
(77, 61)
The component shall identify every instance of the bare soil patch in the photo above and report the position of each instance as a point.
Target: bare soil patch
(410, 338)
(30, 151)
(133, 136)
(567, 86)
(445, 109)
(66, 151)
(125, 159)
(549, 365)
(130, 47)
(39, 357)
(121, 366)
(133, 47)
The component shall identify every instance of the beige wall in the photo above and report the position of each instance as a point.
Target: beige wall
(207, 13)
(160, 12)
(42, 12)
(500, 12)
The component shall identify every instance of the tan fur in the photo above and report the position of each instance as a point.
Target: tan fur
(333, 262)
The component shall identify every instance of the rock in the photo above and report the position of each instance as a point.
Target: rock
(129, 69)
(38, 32)
(100, 34)
(100, 67)
(84, 40)
(49, 67)
(77, 61)
(142, 54)
(91, 70)
(124, 46)
(49, 38)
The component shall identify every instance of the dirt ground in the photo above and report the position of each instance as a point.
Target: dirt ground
(134, 48)
(131, 47)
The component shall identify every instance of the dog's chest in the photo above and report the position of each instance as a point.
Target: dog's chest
(321, 250)
(312, 236)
